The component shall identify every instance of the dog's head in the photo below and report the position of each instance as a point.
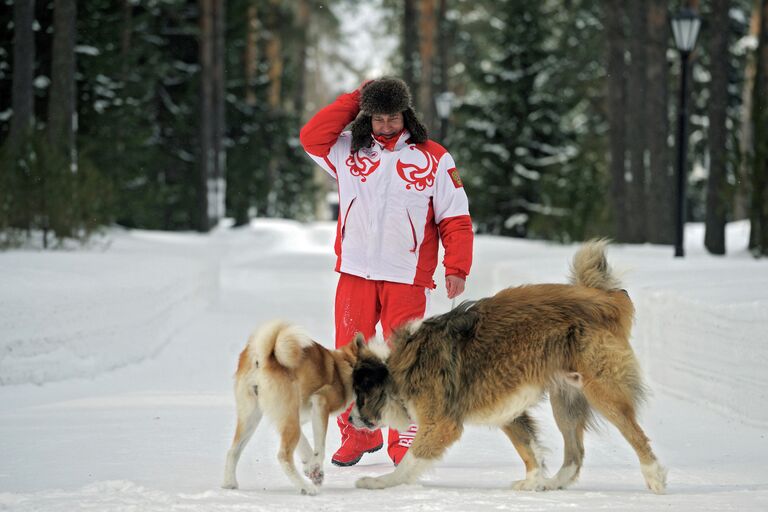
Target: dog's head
(373, 386)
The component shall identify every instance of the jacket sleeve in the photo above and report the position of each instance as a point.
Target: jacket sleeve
(322, 136)
(452, 217)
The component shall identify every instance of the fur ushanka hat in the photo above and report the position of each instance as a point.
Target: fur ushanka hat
(385, 96)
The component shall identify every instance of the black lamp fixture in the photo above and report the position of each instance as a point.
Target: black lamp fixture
(685, 28)
(444, 102)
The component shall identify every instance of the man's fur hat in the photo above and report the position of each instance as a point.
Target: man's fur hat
(385, 96)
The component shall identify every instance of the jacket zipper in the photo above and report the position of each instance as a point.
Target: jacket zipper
(413, 231)
(346, 217)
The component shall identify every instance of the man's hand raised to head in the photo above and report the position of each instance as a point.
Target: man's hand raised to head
(454, 285)
(364, 84)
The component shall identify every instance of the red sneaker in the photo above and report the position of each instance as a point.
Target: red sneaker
(355, 443)
(399, 442)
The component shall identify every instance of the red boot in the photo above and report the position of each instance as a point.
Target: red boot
(398, 443)
(354, 443)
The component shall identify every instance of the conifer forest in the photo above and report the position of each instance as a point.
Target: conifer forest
(563, 116)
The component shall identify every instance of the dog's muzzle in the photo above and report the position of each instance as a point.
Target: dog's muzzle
(360, 422)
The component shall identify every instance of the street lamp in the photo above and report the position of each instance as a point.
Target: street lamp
(444, 103)
(685, 27)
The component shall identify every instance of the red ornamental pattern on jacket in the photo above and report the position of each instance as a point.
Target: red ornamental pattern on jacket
(417, 176)
(362, 165)
(382, 254)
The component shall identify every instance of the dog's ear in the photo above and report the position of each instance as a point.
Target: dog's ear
(359, 341)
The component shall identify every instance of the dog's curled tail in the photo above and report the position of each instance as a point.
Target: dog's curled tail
(282, 340)
(590, 267)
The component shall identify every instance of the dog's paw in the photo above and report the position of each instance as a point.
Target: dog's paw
(534, 481)
(655, 477)
(308, 490)
(564, 477)
(229, 484)
(370, 482)
(530, 485)
(315, 473)
(553, 484)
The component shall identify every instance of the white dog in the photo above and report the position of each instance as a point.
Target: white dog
(286, 376)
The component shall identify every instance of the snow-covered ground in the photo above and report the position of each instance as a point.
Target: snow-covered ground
(116, 367)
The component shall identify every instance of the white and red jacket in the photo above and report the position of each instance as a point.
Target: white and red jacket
(394, 205)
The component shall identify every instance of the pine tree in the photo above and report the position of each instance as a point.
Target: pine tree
(528, 134)
(22, 121)
(716, 202)
(614, 15)
(61, 100)
(504, 132)
(759, 217)
(660, 222)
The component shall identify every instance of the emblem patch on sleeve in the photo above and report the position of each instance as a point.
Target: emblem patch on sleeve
(455, 178)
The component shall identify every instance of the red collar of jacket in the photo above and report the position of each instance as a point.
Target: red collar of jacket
(394, 142)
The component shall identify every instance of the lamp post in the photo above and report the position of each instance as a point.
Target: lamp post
(685, 28)
(444, 104)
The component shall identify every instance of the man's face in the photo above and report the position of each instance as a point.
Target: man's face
(387, 125)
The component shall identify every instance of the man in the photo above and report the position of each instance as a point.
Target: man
(399, 193)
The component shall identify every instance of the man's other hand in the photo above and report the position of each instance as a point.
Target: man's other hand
(454, 285)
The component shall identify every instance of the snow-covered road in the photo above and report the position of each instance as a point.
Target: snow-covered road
(116, 365)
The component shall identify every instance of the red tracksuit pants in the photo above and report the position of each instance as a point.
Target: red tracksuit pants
(361, 304)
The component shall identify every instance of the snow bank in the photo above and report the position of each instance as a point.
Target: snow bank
(710, 354)
(701, 327)
(77, 314)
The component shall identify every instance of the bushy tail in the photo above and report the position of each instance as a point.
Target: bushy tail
(282, 340)
(590, 268)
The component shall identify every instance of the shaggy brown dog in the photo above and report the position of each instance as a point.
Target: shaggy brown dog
(286, 376)
(488, 362)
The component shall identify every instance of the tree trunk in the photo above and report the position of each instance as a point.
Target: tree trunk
(22, 100)
(410, 43)
(660, 223)
(217, 209)
(759, 228)
(714, 237)
(211, 184)
(125, 38)
(125, 68)
(251, 56)
(207, 114)
(61, 99)
(613, 16)
(274, 54)
(443, 43)
(302, 26)
(427, 33)
(636, 119)
(741, 196)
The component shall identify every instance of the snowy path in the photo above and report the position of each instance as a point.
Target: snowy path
(153, 435)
